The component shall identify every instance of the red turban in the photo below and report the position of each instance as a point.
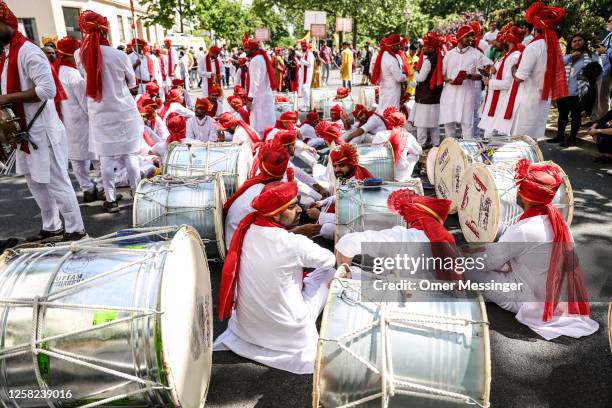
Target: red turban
(178, 82)
(342, 92)
(347, 153)
(289, 117)
(225, 121)
(452, 40)
(242, 62)
(312, 117)
(152, 88)
(214, 50)
(177, 125)
(203, 103)
(272, 161)
(94, 27)
(336, 112)
(249, 43)
(216, 90)
(286, 137)
(477, 28)
(328, 131)
(395, 119)
(463, 31)
(537, 185)
(515, 35)
(67, 46)
(275, 198)
(175, 95)
(7, 16)
(235, 102)
(398, 137)
(545, 19)
(359, 110)
(305, 45)
(239, 91)
(389, 110)
(433, 40)
(393, 39)
(428, 215)
(140, 43)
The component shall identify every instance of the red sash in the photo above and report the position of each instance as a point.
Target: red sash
(208, 69)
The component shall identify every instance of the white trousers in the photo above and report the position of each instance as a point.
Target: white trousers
(466, 130)
(56, 197)
(433, 133)
(107, 165)
(305, 92)
(80, 168)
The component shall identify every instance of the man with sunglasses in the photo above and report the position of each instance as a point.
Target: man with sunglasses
(275, 308)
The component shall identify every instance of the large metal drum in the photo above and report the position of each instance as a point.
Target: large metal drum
(406, 353)
(455, 156)
(292, 97)
(114, 321)
(488, 201)
(196, 159)
(361, 207)
(379, 159)
(165, 200)
(319, 97)
(367, 97)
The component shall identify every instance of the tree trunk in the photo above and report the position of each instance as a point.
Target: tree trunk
(354, 32)
(180, 10)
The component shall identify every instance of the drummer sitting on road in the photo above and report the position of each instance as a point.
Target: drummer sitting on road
(274, 314)
(345, 161)
(425, 217)
(539, 266)
(369, 123)
(235, 130)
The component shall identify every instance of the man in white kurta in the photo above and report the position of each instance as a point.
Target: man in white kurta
(76, 119)
(200, 127)
(211, 70)
(305, 72)
(114, 121)
(526, 248)
(368, 124)
(46, 167)
(260, 96)
(457, 99)
(276, 308)
(392, 77)
(140, 61)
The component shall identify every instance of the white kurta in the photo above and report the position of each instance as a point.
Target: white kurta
(497, 121)
(349, 244)
(180, 109)
(457, 101)
(262, 113)
(115, 124)
(425, 115)
(205, 74)
(240, 135)
(239, 209)
(201, 129)
(48, 132)
(275, 311)
(307, 64)
(238, 76)
(530, 111)
(141, 71)
(527, 249)
(157, 72)
(373, 125)
(391, 78)
(409, 156)
(74, 114)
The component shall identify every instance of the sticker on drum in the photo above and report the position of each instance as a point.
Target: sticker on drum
(488, 201)
(421, 339)
(134, 308)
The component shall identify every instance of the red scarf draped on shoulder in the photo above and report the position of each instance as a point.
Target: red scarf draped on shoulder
(150, 66)
(93, 25)
(250, 131)
(499, 75)
(13, 82)
(305, 78)
(209, 69)
(60, 92)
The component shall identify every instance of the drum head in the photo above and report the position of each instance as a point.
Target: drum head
(479, 203)
(431, 164)
(220, 199)
(533, 144)
(184, 346)
(452, 161)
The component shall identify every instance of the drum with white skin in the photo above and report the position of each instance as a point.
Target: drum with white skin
(291, 96)
(362, 206)
(115, 321)
(378, 159)
(455, 156)
(430, 162)
(401, 354)
(166, 200)
(195, 159)
(488, 205)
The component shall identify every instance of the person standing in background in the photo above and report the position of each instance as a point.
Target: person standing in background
(604, 83)
(346, 67)
(326, 58)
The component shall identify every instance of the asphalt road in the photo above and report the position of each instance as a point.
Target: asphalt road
(526, 370)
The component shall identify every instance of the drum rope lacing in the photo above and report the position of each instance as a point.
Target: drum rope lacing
(39, 302)
(206, 166)
(7, 167)
(389, 382)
